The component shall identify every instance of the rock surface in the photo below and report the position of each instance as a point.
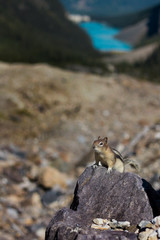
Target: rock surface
(101, 195)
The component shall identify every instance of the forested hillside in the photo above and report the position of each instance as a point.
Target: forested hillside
(38, 31)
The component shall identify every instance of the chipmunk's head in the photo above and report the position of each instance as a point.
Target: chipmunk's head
(100, 144)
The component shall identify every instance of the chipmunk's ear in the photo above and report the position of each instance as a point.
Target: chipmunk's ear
(99, 137)
(106, 139)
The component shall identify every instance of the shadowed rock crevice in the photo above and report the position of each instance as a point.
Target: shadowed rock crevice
(119, 196)
(153, 196)
(75, 202)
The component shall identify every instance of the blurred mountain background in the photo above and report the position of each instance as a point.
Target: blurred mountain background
(58, 93)
(38, 31)
(107, 8)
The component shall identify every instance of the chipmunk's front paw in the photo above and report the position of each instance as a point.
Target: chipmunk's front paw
(109, 170)
(94, 165)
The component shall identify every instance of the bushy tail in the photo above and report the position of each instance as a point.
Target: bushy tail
(133, 163)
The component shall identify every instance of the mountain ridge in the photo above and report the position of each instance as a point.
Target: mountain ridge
(107, 8)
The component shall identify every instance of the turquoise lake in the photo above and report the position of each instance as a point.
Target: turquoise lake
(102, 37)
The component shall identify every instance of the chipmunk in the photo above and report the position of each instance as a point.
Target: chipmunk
(110, 157)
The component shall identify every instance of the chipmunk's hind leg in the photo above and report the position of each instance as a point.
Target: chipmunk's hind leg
(110, 164)
(109, 169)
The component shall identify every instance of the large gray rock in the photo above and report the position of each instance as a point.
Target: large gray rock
(70, 225)
(98, 194)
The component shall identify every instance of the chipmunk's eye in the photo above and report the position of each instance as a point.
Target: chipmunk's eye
(101, 143)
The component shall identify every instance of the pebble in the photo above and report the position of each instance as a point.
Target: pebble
(12, 212)
(157, 135)
(124, 224)
(100, 227)
(4, 181)
(27, 185)
(119, 224)
(36, 200)
(156, 221)
(106, 113)
(114, 221)
(51, 196)
(158, 232)
(41, 233)
(153, 236)
(33, 173)
(112, 224)
(3, 156)
(28, 221)
(98, 221)
(144, 223)
(77, 229)
(145, 234)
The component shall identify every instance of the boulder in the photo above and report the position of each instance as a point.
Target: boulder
(99, 194)
(50, 177)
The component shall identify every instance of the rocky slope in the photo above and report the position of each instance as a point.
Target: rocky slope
(151, 72)
(139, 55)
(142, 28)
(46, 100)
(48, 120)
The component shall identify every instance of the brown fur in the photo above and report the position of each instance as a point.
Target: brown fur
(109, 157)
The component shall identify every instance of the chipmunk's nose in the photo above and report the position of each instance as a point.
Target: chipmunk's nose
(93, 147)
